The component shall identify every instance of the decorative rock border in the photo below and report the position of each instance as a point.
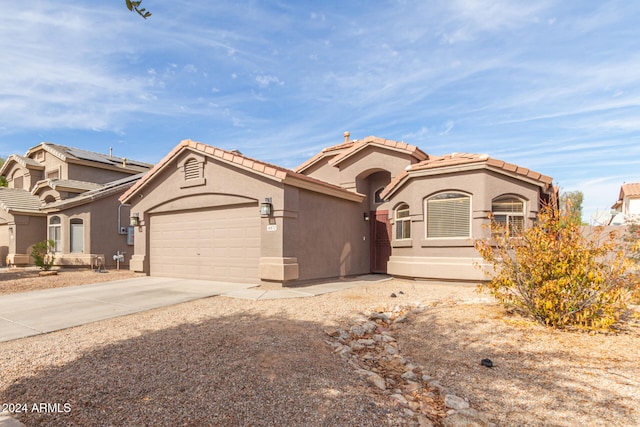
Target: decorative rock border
(371, 349)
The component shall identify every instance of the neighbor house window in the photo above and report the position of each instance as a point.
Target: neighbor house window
(403, 222)
(54, 232)
(509, 212)
(76, 235)
(449, 215)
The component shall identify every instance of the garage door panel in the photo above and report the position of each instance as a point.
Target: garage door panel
(220, 244)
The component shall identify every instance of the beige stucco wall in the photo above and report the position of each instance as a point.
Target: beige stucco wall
(452, 258)
(93, 174)
(223, 185)
(327, 236)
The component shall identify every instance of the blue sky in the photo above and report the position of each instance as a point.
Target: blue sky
(550, 85)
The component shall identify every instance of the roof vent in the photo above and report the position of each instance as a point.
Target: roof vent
(124, 162)
(110, 152)
(347, 134)
(453, 155)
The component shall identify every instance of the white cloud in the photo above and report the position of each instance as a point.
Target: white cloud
(266, 80)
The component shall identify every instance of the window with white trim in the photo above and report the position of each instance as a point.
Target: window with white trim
(403, 222)
(509, 212)
(76, 230)
(55, 225)
(448, 215)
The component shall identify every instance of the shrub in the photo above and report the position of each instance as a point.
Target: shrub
(557, 275)
(42, 254)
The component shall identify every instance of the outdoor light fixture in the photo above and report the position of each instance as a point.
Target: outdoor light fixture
(134, 220)
(266, 208)
(366, 216)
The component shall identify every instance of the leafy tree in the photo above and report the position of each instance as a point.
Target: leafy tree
(135, 6)
(42, 254)
(557, 274)
(572, 202)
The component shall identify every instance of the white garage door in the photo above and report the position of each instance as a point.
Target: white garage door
(215, 244)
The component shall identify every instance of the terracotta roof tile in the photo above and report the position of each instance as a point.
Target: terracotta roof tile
(243, 161)
(630, 189)
(458, 159)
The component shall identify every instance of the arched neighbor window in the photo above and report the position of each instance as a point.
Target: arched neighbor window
(403, 222)
(76, 235)
(449, 215)
(55, 233)
(509, 211)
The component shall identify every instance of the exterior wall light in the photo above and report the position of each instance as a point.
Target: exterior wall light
(266, 208)
(134, 220)
(366, 216)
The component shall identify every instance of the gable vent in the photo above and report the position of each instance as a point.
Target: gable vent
(192, 169)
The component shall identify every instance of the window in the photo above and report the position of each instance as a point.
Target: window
(53, 174)
(449, 215)
(18, 179)
(403, 222)
(509, 212)
(77, 235)
(54, 232)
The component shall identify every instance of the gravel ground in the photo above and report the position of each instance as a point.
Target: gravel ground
(232, 362)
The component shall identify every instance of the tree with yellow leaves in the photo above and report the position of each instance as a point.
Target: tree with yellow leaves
(558, 274)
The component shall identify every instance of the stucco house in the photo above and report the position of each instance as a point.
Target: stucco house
(362, 206)
(627, 207)
(67, 195)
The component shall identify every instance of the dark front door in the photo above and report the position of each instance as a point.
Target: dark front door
(380, 241)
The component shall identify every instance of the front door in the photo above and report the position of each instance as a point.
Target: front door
(380, 241)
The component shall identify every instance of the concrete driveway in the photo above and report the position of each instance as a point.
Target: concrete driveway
(32, 313)
(37, 312)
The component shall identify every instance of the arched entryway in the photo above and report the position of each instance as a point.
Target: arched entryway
(372, 183)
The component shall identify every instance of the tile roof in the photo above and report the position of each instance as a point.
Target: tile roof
(71, 153)
(78, 186)
(462, 161)
(346, 149)
(18, 200)
(266, 169)
(104, 190)
(630, 190)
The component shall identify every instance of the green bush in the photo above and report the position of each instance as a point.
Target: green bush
(42, 254)
(557, 275)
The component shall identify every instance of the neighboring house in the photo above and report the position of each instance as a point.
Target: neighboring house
(67, 195)
(373, 205)
(627, 208)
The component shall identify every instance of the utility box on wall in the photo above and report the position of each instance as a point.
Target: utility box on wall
(130, 235)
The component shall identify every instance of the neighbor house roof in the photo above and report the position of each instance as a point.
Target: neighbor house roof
(103, 190)
(22, 161)
(345, 150)
(258, 167)
(69, 185)
(631, 189)
(15, 200)
(458, 162)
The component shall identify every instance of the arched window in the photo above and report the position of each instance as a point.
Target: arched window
(509, 211)
(54, 232)
(403, 222)
(76, 235)
(18, 180)
(448, 215)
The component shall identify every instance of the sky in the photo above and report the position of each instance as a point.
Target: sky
(553, 86)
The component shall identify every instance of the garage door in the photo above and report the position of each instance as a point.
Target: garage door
(215, 244)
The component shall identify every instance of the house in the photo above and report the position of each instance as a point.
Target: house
(627, 208)
(67, 195)
(362, 206)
